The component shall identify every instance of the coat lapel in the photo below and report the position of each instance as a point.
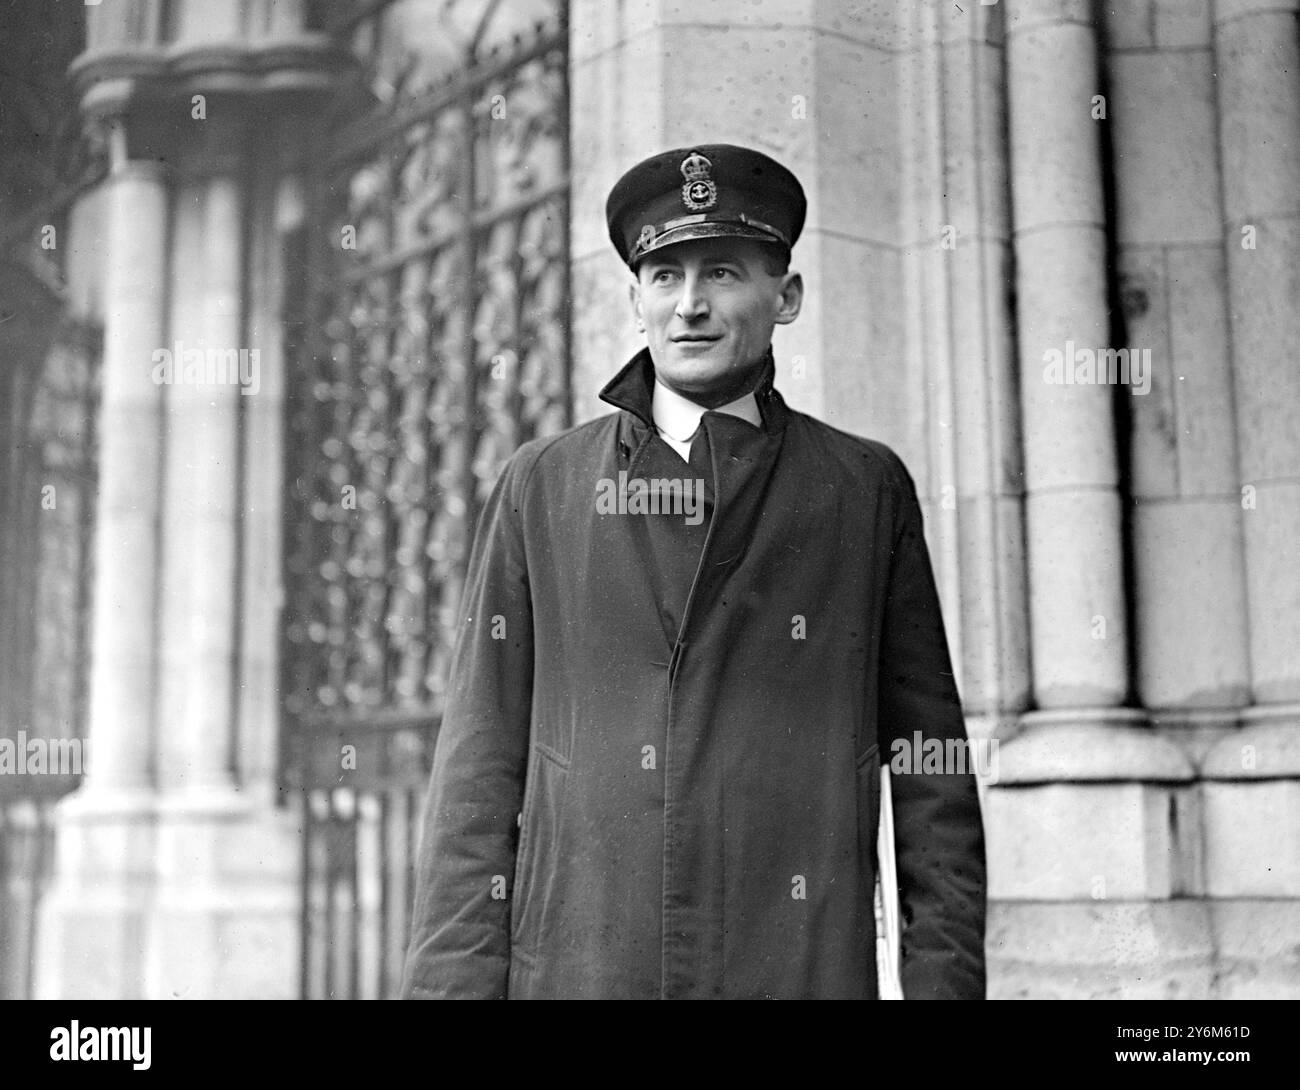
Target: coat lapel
(743, 458)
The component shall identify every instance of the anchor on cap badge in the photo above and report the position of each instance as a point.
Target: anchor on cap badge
(699, 192)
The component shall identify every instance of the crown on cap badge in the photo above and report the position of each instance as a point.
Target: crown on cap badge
(699, 192)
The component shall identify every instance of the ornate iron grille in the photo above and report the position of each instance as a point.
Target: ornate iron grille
(50, 352)
(434, 340)
(47, 485)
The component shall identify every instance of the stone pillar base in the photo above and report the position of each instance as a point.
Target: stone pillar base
(1094, 847)
(1089, 805)
(191, 895)
(1100, 950)
(1252, 807)
(1259, 957)
(1179, 949)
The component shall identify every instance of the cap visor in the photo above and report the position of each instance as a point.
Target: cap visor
(690, 231)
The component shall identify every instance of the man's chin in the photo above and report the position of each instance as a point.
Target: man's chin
(695, 386)
(695, 368)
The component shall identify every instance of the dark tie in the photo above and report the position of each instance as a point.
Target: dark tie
(702, 462)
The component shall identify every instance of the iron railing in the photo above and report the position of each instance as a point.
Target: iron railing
(47, 489)
(432, 339)
(26, 868)
(362, 785)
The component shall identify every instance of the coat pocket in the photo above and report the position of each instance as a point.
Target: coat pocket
(535, 861)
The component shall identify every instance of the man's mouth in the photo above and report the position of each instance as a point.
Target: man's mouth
(695, 338)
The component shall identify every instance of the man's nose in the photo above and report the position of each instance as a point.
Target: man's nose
(693, 302)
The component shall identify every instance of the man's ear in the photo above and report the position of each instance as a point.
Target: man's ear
(791, 298)
(634, 297)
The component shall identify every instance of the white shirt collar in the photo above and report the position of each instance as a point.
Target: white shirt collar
(676, 415)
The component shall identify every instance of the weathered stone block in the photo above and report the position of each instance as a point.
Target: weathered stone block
(1055, 142)
(1252, 838)
(1100, 950)
(1190, 616)
(1076, 599)
(1182, 24)
(1061, 842)
(1161, 114)
(1258, 943)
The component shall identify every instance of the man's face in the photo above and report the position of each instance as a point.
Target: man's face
(709, 306)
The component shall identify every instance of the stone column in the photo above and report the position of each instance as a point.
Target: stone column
(124, 632)
(93, 917)
(202, 487)
(1190, 612)
(1084, 861)
(1252, 793)
(960, 361)
(1077, 606)
(1258, 61)
(279, 210)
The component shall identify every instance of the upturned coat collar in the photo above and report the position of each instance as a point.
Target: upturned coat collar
(632, 390)
(742, 459)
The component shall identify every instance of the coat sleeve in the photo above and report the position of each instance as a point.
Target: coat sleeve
(460, 927)
(938, 833)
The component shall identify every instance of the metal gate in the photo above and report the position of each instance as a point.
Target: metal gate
(432, 330)
(48, 401)
(50, 354)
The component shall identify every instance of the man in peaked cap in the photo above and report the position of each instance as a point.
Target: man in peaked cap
(691, 629)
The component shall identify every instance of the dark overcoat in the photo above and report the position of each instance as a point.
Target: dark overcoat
(639, 797)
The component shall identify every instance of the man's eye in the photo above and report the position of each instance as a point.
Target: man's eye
(661, 276)
(722, 273)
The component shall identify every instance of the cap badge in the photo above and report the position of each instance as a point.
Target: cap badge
(699, 192)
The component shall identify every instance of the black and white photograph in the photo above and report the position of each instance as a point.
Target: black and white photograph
(651, 499)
